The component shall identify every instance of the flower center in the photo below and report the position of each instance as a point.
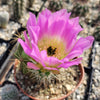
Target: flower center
(53, 45)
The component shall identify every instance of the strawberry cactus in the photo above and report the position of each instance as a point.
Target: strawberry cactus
(51, 43)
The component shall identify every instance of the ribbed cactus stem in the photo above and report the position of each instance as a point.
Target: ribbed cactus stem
(16, 9)
(31, 3)
(21, 6)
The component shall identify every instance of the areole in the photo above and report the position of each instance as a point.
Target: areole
(80, 81)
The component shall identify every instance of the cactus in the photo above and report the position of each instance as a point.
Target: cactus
(21, 6)
(3, 1)
(55, 5)
(16, 9)
(4, 18)
(30, 3)
(18, 6)
(9, 92)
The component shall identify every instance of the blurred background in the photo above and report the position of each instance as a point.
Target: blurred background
(13, 18)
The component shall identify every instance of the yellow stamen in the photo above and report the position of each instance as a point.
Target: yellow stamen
(53, 45)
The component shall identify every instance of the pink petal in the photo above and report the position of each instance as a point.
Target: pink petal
(71, 29)
(91, 39)
(50, 61)
(59, 15)
(70, 63)
(47, 13)
(50, 68)
(35, 53)
(43, 24)
(74, 54)
(61, 12)
(36, 30)
(43, 55)
(54, 61)
(56, 28)
(32, 66)
(74, 22)
(32, 20)
(28, 50)
(32, 34)
(84, 43)
(65, 59)
(54, 21)
(44, 60)
(26, 39)
(57, 21)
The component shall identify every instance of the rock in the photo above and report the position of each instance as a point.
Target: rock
(68, 87)
(60, 86)
(32, 87)
(3, 48)
(25, 98)
(85, 82)
(52, 90)
(78, 97)
(10, 29)
(47, 97)
(51, 86)
(64, 91)
(21, 77)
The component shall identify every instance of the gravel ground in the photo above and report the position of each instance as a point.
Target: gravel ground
(80, 92)
(95, 92)
(89, 13)
(8, 32)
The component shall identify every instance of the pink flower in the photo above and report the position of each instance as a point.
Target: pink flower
(52, 40)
